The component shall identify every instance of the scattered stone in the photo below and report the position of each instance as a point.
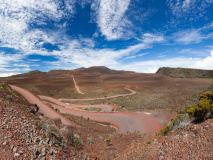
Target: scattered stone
(11, 147)
(5, 143)
(15, 150)
(43, 151)
(51, 151)
(16, 155)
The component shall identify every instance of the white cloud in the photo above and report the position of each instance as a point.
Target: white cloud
(152, 66)
(152, 38)
(83, 55)
(189, 8)
(193, 35)
(197, 52)
(188, 36)
(7, 74)
(111, 18)
(6, 59)
(18, 17)
(206, 63)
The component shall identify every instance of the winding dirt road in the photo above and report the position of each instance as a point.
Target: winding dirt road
(123, 121)
(43, 108)
(103, 107)
(91, 99)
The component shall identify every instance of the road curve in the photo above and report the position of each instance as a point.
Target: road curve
(124, 121)
(91, 99)
(43, 108)
(103, 107)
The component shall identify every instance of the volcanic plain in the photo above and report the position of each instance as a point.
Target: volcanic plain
(99, 103)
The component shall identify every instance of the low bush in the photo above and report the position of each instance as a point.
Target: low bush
(108, 141)
(90, 140)
(180, 121)
(22, 106)
(9, 98)
(205, 105)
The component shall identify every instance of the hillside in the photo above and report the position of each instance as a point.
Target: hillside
(185, 72)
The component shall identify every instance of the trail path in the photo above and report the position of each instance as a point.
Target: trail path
(76, 86)
(91, 99)
(123, 121)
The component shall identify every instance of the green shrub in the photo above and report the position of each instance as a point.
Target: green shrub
(38, 124)
(149, 141)
(90, 140)
(23, 106)
(204, 106)
(9, 98)
(57, 110)
(77, 141)
(178, 122)
(108, 141)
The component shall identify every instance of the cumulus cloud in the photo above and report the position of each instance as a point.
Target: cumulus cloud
(206, 63)
(152, 66)
(111, 18)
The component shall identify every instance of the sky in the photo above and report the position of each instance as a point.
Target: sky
(133, 35)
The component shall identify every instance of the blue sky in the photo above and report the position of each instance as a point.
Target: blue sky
(135, 35)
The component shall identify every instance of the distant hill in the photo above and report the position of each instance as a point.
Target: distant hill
(101, 70)
(185, 72)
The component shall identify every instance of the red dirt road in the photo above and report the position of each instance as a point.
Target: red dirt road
(76, 86)
(43, 108)
(103, 107)
(91, 99)
(124, 121)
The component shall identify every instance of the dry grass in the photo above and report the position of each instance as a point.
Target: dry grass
(154, 98)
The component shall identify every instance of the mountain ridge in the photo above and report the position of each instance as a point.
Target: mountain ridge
(185, 72)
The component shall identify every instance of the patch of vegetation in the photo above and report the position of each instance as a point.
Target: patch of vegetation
(38, 124)
(90, 140)
(153, 98)
(205, 105)
(198, 112)
(57, 110)
(9, 98)
(22, 106)
(77, 141)
(149, 141)
(180, 121)
(108, 141)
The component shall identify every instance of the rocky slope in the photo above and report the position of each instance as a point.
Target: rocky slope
(185, 72)
(26, 134)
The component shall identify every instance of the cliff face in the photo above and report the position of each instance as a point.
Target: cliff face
(185, 72)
